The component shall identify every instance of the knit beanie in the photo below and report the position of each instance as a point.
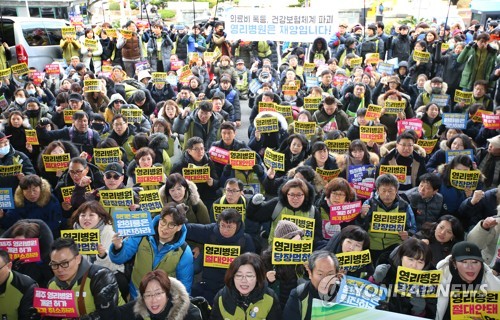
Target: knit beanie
(287, 230)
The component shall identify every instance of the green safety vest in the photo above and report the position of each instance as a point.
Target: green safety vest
(242, 85)
(286, 211)
(258, 310)
(144, 261)
(381, 241)
(10, 299)
(263, 49)
(87, 295)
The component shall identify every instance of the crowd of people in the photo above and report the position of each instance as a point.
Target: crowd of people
(190, 121)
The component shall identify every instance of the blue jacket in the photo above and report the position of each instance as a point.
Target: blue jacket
(184, 271)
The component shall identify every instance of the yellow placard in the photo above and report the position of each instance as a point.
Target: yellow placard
(91, 44)
(311, 104)
(122, 198)
(394, 107)
(309, 66)
(105, 156)
(159, 77)
(328, 175)
(356, 62)
(445, 46)
(208, 56)
(218, 256)
(11, 170)
(149, 176)
(132, 115)
(56, 162)
(242, 160)
(217, 53)
(289, 90)
(20, 69)
(417, 283)
(287, 251)
(68, 32)
(107, 69)
(111, 33)
(67, 192)
(126, 34)
(150, 200)
(478, 116)
(305, 128)
(373, 112)
(267, 106)
(87, 240)
(372, 133)
(184, 73)
(388, 222)
(5, 73)
(421, 56)
(285, 111)
(467, 305)
(193, 56)
(372, 58)
(463, 179)
(305, 223)
(197, 174)
(427, 145)
(68, 115)
(267, 125)
(355, 260)
(92, 85)
(338, 146)
(398, 171)
(217, 208)
(31, 137)
(462, 96)
(274, 159)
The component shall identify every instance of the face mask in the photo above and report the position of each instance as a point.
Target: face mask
(33, 113)
(31, 92)
(4, 150)
(98, 126)
(436, 90)
(20, 100)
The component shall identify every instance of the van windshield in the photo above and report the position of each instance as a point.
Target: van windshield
(46, 33)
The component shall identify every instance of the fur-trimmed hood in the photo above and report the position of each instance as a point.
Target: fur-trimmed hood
(389, 146)
(4, 122)
(179, 298)
(44, 199)
(192, 193)
(158, 141)
(281, 119)
(428, 89)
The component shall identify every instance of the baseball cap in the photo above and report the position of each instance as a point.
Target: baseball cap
(114, 167)
(3, 137)
(466, 251)
(239, 61)
(75, 97)
(495, 141)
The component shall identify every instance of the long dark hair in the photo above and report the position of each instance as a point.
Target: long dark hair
(461, 159)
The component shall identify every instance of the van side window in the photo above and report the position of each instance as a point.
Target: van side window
(45, 34)
(8, 32)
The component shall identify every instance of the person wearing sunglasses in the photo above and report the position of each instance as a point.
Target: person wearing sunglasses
(96, 284)
(16, 291)
(113, 180)
(166, 249)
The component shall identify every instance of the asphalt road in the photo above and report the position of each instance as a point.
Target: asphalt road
(242, 132)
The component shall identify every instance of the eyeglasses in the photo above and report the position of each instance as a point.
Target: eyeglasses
(119, 124)
(118, 101)
(295, 195)
(4, 266)
(338, 194)
(169, 225)
(112, 176)
(75, 172)
(230, 226)
(248, 277)
(198, 149)
(232, 191)
(406, 145)
(150, 296)
(64, 264)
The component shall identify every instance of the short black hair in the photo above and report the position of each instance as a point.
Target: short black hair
(407, 134)
(62, 243)
(206, 106)
(192, 141)
(80, 115)
(432, 179)
(234, 181)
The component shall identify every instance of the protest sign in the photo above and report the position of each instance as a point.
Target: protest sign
(184, 74)
(67, 192)
(208, 56)
(112, 33)
(6, 198)
(463, 96)
(304, 223)
(68, 115)
(126, 34)
(287, 251)
(285, 111)
(56, 162)
(356, 62)
(329, 229)
(417, 283)
(311, 104)
(339, 80)
(267, 125)
(117, 198)
(87, 240)
(132, 115)
(150, 200)
(492, 121)
(441, 100)
(219, 155)
(373, 112)
(309, 67)
(322, 310)
(328, 175)
(388, 222)
(274, 159)
(311, 81)
(398, 171)
(289, 90)
(11, 170)
(105, 156)
(427, 145)
(31, 137)
(305, 128)
(217, 209)
(421, 56)
(464, 305)
(372, 58)
(55, 303)
(354, 260)
(339, 146)
(242, 160)
(410, 124)
(133, 223)
(360, 293)
(149, 176)
(455, 120)
(159, 77)
(20, 69)
(387, 68)
(197, 174)
(91, 44)
(26, 250)
(219, 256)
(5, 73)
(450, 154)
(478, 116)
(394, 107)
(346, 212)
(363, 190)
(92, 85)
(267, 106)
(361, 173)
(193, 56)
(464, 179)
(172, 80)
(38, 78)
(68, 32)
(371, 133)
(445, 46)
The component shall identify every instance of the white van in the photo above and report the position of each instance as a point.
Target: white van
(32, 40)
